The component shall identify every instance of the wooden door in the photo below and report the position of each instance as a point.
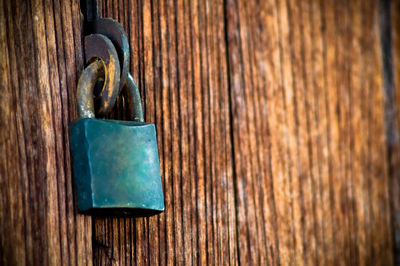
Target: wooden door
(277, 130)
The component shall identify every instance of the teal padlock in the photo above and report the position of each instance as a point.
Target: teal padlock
(115, 163)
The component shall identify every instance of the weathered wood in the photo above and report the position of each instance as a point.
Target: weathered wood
(390, 45)
(307, 146)
(179, 61)
(41, 58)
(272, 123)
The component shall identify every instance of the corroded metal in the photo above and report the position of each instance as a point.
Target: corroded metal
(86, 81)
(114, 31)
(133, 100)
(116, 167)
(98, 46)
(115, 163)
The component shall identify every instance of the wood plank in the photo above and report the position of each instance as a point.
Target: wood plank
(390, 46)
(343, 122)
(274, 124)
(41, 50)
(304, 74)
(178, 60)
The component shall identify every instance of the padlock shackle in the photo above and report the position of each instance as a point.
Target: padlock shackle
(133, 99)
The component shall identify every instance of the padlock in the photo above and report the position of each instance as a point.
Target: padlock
(115, 163)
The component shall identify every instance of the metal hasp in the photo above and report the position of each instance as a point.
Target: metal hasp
(115, 33)
(98, 46)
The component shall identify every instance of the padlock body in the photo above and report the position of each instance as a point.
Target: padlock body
(116, 167)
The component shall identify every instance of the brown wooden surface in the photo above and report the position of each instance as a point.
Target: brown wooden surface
(393, 82)
(272, 122)
(40, 61)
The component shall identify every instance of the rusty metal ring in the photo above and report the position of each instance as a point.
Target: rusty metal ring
(115, 32)
(86, 83)
(99, 46)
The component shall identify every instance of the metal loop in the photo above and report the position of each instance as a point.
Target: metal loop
(133, 99)
(99, 46)
(115, 32)
(86, 84)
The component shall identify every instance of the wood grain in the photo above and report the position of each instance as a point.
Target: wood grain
(41, 59)
(274, 122)
(390, 45)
